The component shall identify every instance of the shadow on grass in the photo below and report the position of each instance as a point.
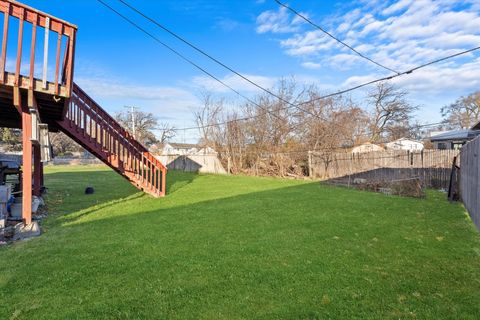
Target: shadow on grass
(268, 253)
(176, 180)
(67, 191)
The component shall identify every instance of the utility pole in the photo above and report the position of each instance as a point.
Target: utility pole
(133, 111)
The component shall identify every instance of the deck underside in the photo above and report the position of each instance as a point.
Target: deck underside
(51, 107)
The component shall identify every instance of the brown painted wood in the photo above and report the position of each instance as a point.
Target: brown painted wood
(3, 60)
(26, 165)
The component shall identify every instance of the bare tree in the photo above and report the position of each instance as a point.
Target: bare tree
(62, 144)
(167, 132)
(207, 116)
(390, 108)
(269, 131)
(145, 123)
(330, 125)
(464, 112)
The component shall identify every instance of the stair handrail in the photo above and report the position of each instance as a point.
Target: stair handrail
(115, 126)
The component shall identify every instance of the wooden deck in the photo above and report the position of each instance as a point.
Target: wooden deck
(50, 106)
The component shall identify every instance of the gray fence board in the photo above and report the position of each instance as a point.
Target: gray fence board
(470, 179)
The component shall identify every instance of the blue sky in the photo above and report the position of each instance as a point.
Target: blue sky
(120, 66)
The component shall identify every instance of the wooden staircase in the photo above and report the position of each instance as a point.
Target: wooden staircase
(96, 131)
(53, 100)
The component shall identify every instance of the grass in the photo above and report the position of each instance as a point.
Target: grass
(225, 247)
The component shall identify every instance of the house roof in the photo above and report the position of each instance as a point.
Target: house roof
(406, 139)
(456, 135)
(183, 145)
(366, 147)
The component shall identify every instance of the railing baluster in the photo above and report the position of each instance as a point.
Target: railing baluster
(91, 127)
(6, 18)
(32, 52)
(19, 47)
(57, 61)
(149, 174)
(163, 190)
(69, 68)
(45, 52)
(84, 120)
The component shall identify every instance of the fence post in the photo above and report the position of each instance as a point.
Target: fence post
(310, 164)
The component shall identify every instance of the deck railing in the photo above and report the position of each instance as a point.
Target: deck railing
(63, 76)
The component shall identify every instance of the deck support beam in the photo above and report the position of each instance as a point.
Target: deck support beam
(26, 157)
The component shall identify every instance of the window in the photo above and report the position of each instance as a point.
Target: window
(442, 146)
(457, 145)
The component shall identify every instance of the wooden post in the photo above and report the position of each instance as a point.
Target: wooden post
(27, 165)
(310, 173)
(37, 174)
(164, 182)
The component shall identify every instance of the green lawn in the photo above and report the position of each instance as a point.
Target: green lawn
(232, 247)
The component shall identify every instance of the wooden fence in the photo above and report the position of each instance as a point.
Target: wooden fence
(470, 179)
(433, 167)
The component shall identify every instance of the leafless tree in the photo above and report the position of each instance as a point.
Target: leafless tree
(145, 123)
(62, 144)
(270, 129)
(272, 136)
(167, 132)
(390, 108)
(464, 112)
(207, 116)
(330, 125)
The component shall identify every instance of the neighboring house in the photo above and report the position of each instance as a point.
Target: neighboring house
(180, 149)
(454, 139)
(367, 147)
(405, 144)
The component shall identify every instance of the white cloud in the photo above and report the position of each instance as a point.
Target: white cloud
(432, 80)
(235, 82)
(398, 34)
(397, 6)
(307, 43)
(311, 65)
(104, 88)
(278, 21)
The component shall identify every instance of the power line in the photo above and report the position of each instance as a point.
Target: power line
(213, 77)
(269, 91)
(395, 75)
(398, 74)
(183, 57)
(332, 36)
(410, 71)
(188, 43)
